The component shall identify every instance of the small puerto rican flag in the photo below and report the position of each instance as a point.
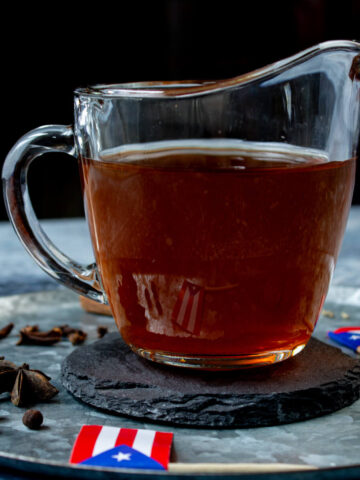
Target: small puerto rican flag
(187, 312)
(104, 446)
(347, 336)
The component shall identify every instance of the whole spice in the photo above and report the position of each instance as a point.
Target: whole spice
(66, 330)
(8, 373)
(30, 335)
(77, 337)
(33, 419)
(4, 332)
(101, 331)
(25, 385)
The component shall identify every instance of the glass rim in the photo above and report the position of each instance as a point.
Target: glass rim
(186, 88)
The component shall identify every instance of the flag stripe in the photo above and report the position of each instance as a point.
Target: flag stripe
(84, 443)
(183, 308)
(178, 303)
(199, 313)
(105, 440)
(185, 323)
(126, 437)
(160, 449)
(187, 312)
(143, 441)
(94, 440)
(193, 313)
(347, 329)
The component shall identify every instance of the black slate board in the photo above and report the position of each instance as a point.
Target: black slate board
(109, 376)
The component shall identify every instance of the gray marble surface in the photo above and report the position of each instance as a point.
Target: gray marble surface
(28, 296)
(20, 274)
(332, 440)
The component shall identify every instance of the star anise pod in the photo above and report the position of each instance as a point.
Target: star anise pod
(25, 385)
(30, 335)
(8, 372)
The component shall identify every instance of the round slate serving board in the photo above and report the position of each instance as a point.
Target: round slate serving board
(108, 375)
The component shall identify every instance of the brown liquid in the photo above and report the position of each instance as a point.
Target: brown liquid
(214, 252)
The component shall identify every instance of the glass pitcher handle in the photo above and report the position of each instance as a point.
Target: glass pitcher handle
(49, 138)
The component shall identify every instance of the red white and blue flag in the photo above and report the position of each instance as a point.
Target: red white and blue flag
(347, 336)
(187, 312)
(105, 446)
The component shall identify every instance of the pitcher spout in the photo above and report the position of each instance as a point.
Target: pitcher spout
(310, 100)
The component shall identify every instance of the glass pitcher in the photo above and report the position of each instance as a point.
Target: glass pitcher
(216, 209)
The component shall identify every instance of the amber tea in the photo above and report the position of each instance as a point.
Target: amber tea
(219, 248)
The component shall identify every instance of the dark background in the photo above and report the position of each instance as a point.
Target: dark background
(50, 50)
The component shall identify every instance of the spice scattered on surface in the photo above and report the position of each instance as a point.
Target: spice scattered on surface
(4, 332)
(77, 337)
(101, 331)
(344, 315)
(26, 386)
(8, 372)
(31, 335)
(33, 419)
(66, 330)
(328, 313)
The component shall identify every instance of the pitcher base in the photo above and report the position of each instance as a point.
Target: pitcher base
(218, 362)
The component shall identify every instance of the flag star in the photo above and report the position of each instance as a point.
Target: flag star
(121, 456)
(355, 337)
